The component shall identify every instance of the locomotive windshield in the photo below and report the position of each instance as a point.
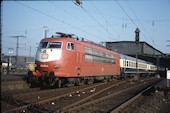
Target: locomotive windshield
(43, 44)
(50, 45)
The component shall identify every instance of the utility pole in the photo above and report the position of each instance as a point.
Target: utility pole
(46, 30)
(30, 52)
(137, 31)
(158, 64)
(10, 51)
(17, 45)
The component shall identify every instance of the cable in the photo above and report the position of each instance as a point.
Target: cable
(55, 19)
(96, 21)
(139, 21)
(131, 18)
(103, 18)
(60, 8)
(121, 18)
(126, 13)
(69, 14)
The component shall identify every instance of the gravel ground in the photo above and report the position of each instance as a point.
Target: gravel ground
(157, 102)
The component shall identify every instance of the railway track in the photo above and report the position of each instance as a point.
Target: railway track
(128, 102)
(154, 99)
(24, 100)
(74, 100)
(107, 101)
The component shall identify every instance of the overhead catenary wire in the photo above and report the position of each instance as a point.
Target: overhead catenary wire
(104, 19)
(132, 19)
(60, 8)
(142, 20)
(97, 22)
(138, 21)
(98, 37)
(122, 18)
(77, 18)
(126, 13)
(146, 21)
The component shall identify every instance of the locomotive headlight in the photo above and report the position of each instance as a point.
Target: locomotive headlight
(55, 66)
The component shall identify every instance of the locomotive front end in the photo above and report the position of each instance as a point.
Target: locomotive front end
(47, 61)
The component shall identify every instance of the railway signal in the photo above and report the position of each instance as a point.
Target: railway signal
(137, 31)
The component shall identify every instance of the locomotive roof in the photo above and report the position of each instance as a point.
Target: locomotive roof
(62, 36)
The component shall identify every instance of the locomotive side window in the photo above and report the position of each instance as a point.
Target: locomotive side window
(88, 58)
(98, 56)
(70, 46)
(88, 50)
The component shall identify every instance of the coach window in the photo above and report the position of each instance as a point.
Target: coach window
(127, 63)
(70, 46)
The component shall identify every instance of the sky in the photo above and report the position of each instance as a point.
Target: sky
(95, 20)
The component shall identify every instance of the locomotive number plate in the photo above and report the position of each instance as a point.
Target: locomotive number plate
(44, 56)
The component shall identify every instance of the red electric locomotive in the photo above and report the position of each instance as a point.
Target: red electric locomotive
(66, 60)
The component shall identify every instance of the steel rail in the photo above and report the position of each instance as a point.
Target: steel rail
(82, 101)
(93, 102)
(47, 100)
(123, 105)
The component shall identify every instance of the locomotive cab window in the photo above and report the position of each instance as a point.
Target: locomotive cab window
(43, 44)
(50, 45)
(70, 46)
(54, 45)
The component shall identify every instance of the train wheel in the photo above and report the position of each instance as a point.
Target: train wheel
(70, 82)
(125, 76)
(59, 83)
(90, 80)
(82, 81)
(79, 81)
(53, 82)
(30, 73)
(109, 79)
(45, 84)
(32, 82)
(106, 79)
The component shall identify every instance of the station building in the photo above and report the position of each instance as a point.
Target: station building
(144, 51)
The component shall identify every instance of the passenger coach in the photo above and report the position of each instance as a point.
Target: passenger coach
(128, 66)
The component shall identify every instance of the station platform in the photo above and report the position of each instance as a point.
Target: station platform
(13, 81)
(13, 76)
